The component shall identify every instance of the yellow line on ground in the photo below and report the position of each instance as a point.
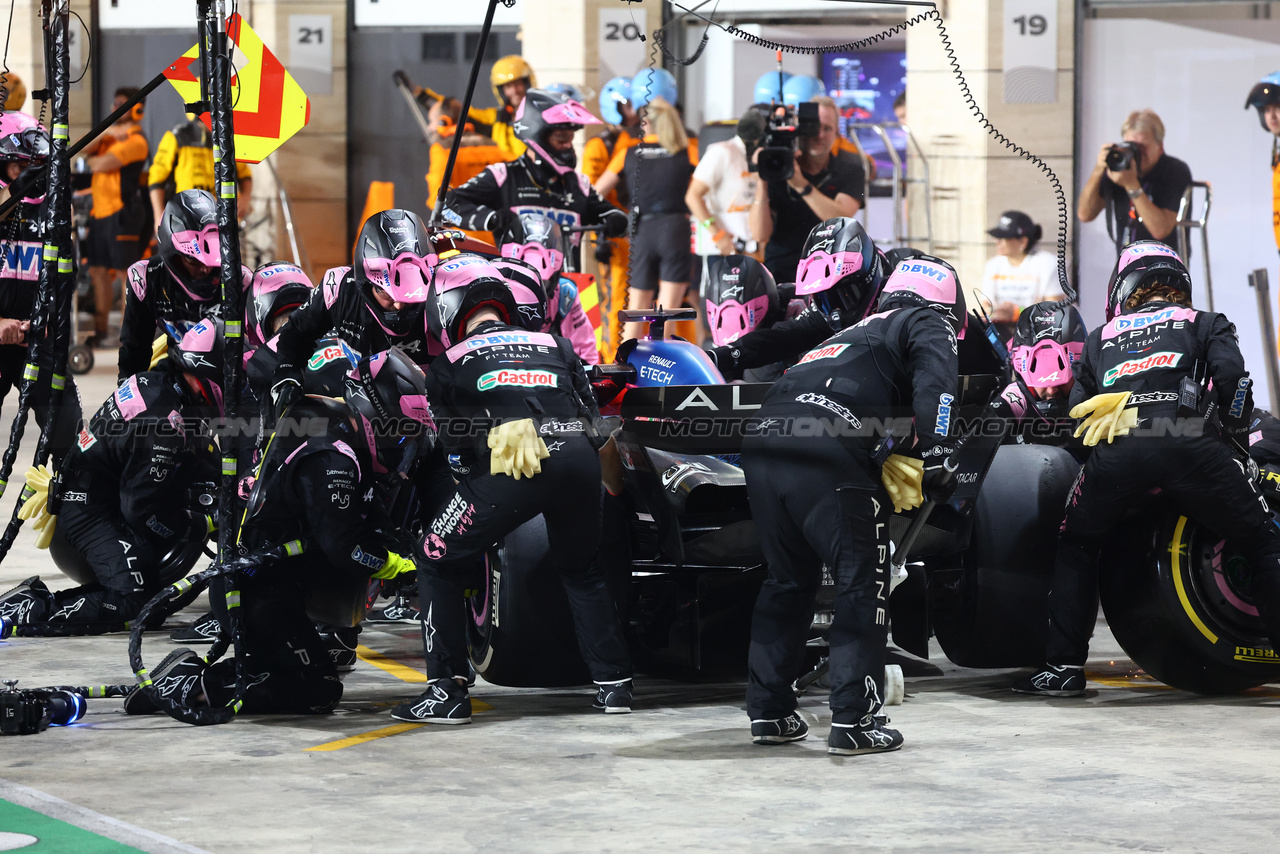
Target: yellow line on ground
(396, 729)
(395, 668)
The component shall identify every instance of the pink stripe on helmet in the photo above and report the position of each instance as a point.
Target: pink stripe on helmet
(548, 261)
(569, 113)
(932, 281)
(201, 338)
(462, 271)
(415, 407)
(271, 279)
(1145, 250)
(730, 320)
(819, 271)
(1045, 364)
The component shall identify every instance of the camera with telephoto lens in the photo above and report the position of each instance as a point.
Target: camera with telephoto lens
(36, 709)
(786, 127)
(1124, 155)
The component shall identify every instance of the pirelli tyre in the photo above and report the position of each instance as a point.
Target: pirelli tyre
(989, 603)
(1177, 599)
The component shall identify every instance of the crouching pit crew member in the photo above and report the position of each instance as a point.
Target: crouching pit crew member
(820, 498)
(123, 496)
(518, 424)
(1047, 341)
(312, 500)
(1136, 372)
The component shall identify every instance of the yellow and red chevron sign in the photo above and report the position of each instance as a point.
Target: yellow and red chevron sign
(270, 106)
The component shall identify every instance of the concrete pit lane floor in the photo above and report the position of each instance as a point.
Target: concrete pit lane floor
(1133, 766)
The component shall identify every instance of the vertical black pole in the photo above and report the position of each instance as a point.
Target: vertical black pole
(466, 110)
(50, 332)
(224, 168)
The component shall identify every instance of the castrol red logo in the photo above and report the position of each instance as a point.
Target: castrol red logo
(520, 379)
(1137, 366)
(828, 352)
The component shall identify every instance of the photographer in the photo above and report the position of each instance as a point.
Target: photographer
(822, 186)
(1140, 184)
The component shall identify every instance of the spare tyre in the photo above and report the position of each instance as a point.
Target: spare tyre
(989, 603)
(1177, 598)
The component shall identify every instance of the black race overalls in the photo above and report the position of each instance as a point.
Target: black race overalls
(124, 496)
(817, 498)
(317, 491)
(527, 185)
(501, 373)
(20, 264)
(154, 303)
(1149, 353)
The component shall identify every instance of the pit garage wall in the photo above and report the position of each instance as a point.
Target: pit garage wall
(1195, 75)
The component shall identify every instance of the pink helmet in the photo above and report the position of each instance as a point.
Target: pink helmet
(462, 285)
(189, 229)
(928, 282)
(542, 112)
(278, 288)
(530, 296)
(542, 247)
(22, 140)
(1048, 340)
(840, 269)
(739, 293)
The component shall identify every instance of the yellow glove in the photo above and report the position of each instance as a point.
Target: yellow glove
(1104, 415)
(516, 448)
(159, 349)
(37, 505)
(902, 478)
(395, 565)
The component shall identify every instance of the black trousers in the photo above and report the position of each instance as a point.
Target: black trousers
(825, 506)
(484, 509)
(13, 360)
(287, 665)
(126, 565)
(1208, 483)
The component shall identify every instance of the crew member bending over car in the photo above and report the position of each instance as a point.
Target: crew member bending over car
(530, 412)
(123, 498)
(820, 498)
(313, 501)
(1047, 342)
(1136, 372)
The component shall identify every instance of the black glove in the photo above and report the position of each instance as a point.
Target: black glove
(604, 250)
(613, 224)
(505, 226)
(31, 183)
(938, 481)
(283, 394)
(726, 361)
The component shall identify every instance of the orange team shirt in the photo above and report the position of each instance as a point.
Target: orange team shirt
(131, 150)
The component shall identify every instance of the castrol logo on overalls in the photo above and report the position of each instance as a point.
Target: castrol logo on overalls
(520, 379)
(1137, 366)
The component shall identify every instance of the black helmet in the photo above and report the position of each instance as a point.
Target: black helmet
(929, 282)
(526, 287)
(542, 112)
(542, 246)
(394, 254)
(461, 285)
(841, 270)
(739, 293)
(387, 393)
(1145, 264)
(201, 354)
(1265, 91)
(278, 288)
(1047, 341)
(189, 231)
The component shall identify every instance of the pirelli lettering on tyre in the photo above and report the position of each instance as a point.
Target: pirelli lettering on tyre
(1138, 366)
(1256, 654)
(830, 351)
(519, 379)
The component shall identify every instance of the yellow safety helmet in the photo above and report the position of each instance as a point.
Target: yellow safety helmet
(17, 90)
(507, 69)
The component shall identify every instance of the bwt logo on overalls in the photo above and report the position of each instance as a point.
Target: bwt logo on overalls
(22, 261)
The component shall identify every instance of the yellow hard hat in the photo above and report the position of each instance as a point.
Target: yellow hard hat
(16, 88)
(507, 69)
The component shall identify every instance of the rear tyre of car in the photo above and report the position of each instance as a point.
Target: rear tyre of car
(989, 604)
(1177, 598)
